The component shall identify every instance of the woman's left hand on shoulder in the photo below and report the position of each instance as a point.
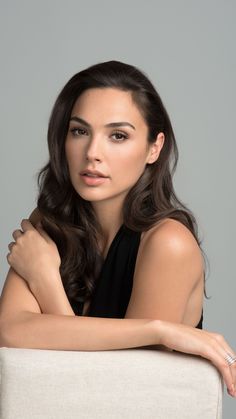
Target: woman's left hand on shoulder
(33, 255)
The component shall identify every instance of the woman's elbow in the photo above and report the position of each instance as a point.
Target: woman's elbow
(11, 332)
(5, 334)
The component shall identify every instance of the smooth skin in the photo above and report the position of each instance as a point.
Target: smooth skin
(168, 284)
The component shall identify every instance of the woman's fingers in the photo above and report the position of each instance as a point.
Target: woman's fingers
(217, 355)
(208, 345)
(233, 373)
(31, 234)
(230, 367)
(17, 233)
(10, 245)
(26, 225)
(33, 255)
(216, 351)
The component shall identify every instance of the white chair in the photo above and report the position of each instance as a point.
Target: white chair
(135, 383)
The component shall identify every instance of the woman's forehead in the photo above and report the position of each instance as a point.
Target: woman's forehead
(107, 104)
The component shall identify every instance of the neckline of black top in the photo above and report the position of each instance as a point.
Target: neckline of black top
(118, 233)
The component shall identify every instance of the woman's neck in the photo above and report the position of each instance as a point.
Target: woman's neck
(110, 219)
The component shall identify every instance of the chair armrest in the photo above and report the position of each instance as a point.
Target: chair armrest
(140, 383)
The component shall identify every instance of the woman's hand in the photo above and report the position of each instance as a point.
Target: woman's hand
(33, 255)
(206, 344)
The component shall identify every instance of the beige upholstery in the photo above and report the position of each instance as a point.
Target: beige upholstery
(133, 383)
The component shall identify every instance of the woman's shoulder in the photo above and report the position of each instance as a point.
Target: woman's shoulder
(170, 234)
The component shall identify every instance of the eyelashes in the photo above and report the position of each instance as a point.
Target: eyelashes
(123, 136)
(78, 132)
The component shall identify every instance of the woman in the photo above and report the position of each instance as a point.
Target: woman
(110, 250)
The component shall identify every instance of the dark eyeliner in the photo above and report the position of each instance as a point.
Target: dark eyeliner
(125, 136)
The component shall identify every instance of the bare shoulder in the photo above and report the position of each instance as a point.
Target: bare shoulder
(35, 216)
(169, 272)
(171, 242)
(171, 235)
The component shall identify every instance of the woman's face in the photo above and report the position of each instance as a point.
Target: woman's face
(107, 133)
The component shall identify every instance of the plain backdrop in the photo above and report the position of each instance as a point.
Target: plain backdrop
(187, 48)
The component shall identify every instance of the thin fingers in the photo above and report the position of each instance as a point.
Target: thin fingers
(217, 354)
(17, 233)
(26, 225)
(11, 245)
(228, 351)
(8, 257)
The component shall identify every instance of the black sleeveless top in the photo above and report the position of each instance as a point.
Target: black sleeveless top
(114, 285)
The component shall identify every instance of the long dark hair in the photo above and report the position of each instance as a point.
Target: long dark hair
(67, 217)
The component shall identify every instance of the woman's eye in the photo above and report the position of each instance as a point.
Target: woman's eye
(120, 136)
(77, 131)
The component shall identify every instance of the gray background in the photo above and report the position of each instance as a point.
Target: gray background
(187, 48)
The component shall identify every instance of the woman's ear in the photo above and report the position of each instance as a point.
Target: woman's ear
(155, 148)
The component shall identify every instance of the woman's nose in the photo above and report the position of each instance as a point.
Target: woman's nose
(93, 150)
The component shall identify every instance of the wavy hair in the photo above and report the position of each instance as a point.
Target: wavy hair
(67, 217)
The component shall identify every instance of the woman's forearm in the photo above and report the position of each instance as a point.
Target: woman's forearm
(51, 296)
(60, 332)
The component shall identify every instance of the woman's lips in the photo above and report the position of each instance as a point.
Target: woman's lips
(93, 180)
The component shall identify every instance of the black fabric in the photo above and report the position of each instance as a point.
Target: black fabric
(114, 285)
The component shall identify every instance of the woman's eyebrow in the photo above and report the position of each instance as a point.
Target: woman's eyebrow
(111, 124)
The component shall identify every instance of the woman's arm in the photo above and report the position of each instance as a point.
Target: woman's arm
(23, 326)
(51, 296)
(37, 259)
(168, 279)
